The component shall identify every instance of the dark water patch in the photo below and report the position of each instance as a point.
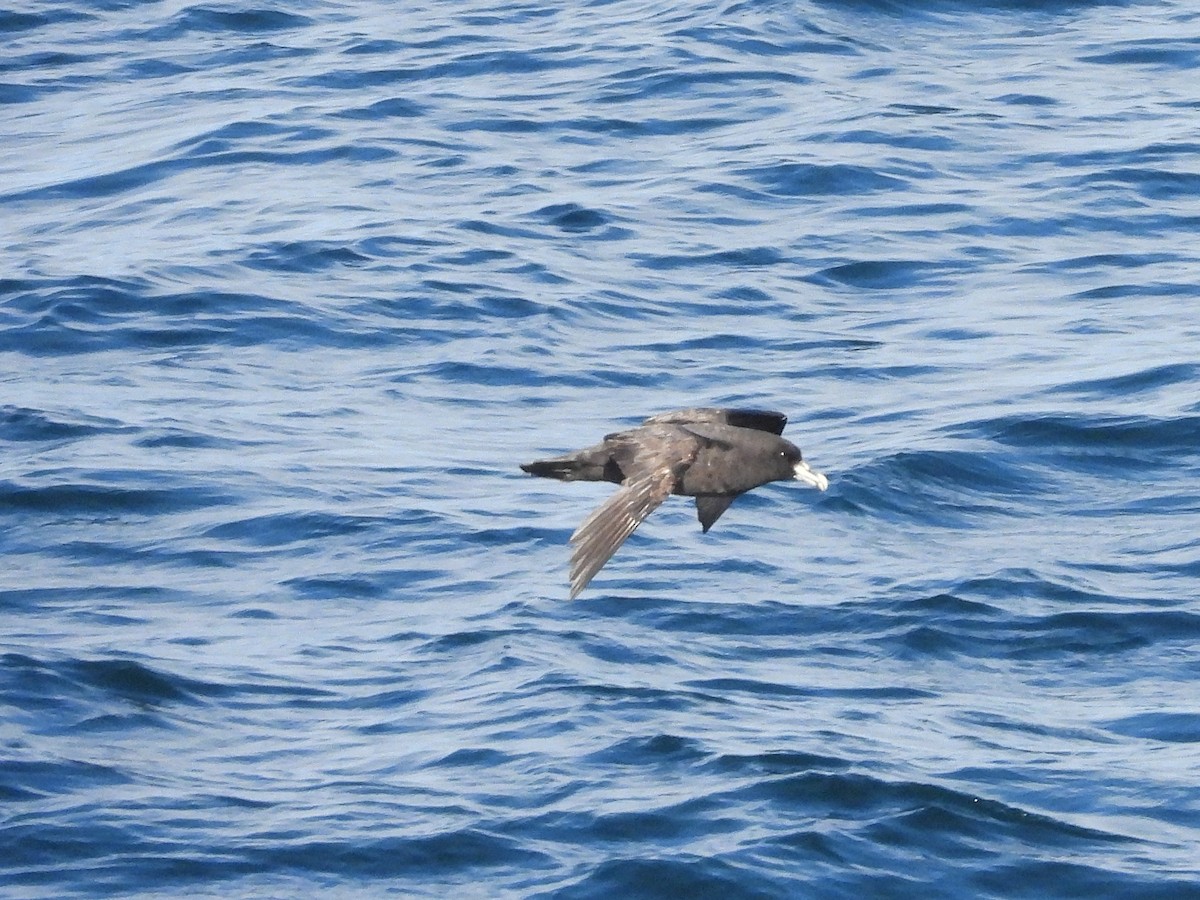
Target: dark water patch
(751, 42)
(137, 683)
(1157, 54)
(1025, 584)
(330, 588)
(609, 697)
(494, 375)
(459, 640)
(391, 108)
(1153, 184)
(659, 750)
(494, 228)
(920, 141)
(99, 602)
(1082, 635)
(142, 552)
(19, 93)
(672, 825)
(227, 137)
(938, 487)
(1146, 380)
(32, 780)
(498, 125)
(1028, 880)
(390, 699)
(183, 439)
(766, 571)
(484, 64)
(747, 257)
(458, 851)
(64, 693)
(209, 20)
(773, 763)
(945, 604)
(837, 794)
(51, 59)
(734, 619)
(1172, 727)
(1027, 100)
(811, 180)
(572, 218)
(255, 613)
(987, 618)
(878, 274)
(1100, 261)
(88, 315)
(286, 529)
(473, 758)
(649, 127)
(923, 109)
(19, 423)
(138, 69)
(642, 85)
(917, 210)
(697, 878)
(730, 686)
(443, 302)
(14, 22)
(119, 724)
(303, 256)
(1141, 290)
(513, 537)
(752, 297)
(97, 498)
(476, 256)
(718, 341)
(112, 184)
(1090, 442)
(616, 652)
(513, 378)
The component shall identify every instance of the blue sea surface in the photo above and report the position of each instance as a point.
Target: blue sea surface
(287, 293)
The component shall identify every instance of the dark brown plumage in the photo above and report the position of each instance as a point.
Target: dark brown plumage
(711, 454)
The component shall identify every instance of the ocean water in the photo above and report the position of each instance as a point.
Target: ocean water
(287, 292)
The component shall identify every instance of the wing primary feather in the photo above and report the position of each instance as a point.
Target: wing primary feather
(607, 528)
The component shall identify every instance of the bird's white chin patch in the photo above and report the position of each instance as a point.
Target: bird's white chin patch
(811, 477)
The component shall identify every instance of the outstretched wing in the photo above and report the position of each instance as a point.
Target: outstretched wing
(758, 419)
(606, 529)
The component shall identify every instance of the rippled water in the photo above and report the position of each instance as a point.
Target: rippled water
(288, 293)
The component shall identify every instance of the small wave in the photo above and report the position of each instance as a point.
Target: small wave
(97, 497)
(23, 424)
(1171, 727)
(660, 749)
(1147, 380)
(877, 274)
(704, 879)
(438, 855)
(989, 617)
(938, 487)
(811, 180)
(1147, 442)
(87, 315)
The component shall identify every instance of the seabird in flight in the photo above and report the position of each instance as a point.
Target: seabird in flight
(714, 455)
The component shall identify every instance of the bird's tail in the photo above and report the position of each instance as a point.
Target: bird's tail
(564, 468)
(593, 464)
